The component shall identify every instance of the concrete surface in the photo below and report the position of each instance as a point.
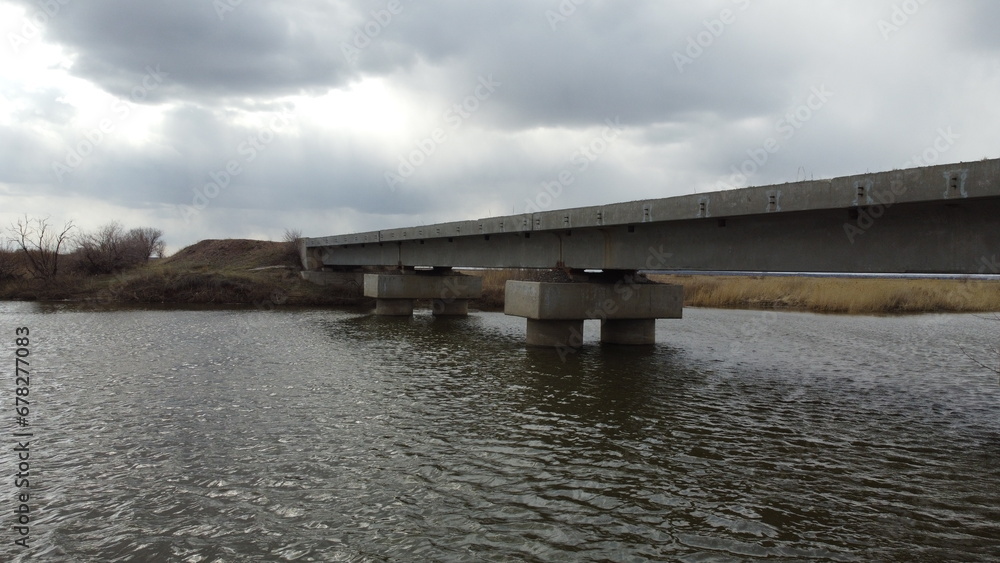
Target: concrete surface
(554, 333)
(936, 219)
(630, 332)
(420, 286)
(564, 301)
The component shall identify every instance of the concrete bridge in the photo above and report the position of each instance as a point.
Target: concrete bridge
(937, 219)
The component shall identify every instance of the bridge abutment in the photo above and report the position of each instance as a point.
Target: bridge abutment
(349, 284)
(449, 293)
(628, 311)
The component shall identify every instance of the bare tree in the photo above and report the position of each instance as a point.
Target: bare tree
(101, 252)
(148, 242)
(293, 235)
(111, 249)
(291, 240)
(41, 244)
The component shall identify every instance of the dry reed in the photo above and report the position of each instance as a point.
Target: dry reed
(838, 295)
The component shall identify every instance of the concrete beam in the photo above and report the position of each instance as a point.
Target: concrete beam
(936, 219)
(942, 183)
(394, 293)
(552, 301)
(423, 286)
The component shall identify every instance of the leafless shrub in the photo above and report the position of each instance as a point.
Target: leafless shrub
(291, 240)
(111, 248)
(148, 241)
(40, 244)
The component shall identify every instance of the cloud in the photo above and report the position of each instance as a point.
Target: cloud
(182, 93)
(258, 49)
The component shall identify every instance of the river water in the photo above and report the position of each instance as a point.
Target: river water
(334, 435)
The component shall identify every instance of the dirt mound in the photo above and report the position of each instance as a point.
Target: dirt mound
(233, 253)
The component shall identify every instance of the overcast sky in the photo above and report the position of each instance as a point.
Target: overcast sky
(241, 118)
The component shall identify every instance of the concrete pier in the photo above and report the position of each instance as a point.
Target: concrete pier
(554, 333)
(556, 311)
(449, 292)
(450, 307)
(393, 307)
(630, 332)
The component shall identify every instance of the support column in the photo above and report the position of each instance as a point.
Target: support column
(393, 307)
(449, 293)
(633, 332)
(450, 307)
(555, 311)
(554, 334)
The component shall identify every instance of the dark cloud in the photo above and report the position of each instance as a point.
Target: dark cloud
(603, 59)
(695, 95)
(256, 49)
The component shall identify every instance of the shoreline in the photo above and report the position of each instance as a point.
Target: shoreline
(363, 308)
(262, 274)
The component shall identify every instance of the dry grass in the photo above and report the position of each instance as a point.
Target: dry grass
(838, 295)
(232, 255)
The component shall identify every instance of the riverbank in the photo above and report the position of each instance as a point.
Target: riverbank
(267, 274)
(859, 296)
(231, 271)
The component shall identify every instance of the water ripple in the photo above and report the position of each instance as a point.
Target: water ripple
(334, 436)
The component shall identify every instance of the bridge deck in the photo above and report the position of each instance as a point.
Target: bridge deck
(939, 219)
